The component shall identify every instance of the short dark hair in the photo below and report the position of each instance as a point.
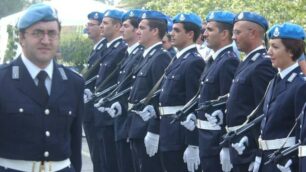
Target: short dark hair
(160, 25)
(296, 47)
(225, 26)
(192, 27)
(134, 22)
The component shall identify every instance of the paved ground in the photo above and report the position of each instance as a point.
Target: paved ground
(87, 165)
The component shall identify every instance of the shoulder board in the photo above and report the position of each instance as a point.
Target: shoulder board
(135, 50)
(291, 77)
(15, 72)
(186, 55)
(255, 57)
(63, 73)
(152, 52)
(117, 44)
(100, 46)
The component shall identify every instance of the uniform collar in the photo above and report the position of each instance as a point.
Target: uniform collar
(256, 49)
(111, 42)
(96, 45)
(34, 70)
(286, 71)
(147, 50)
(131, 48)
(180, 53)
(216, 54)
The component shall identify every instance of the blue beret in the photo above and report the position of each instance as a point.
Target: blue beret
(156, 15)
(189, 18)
(115, 14)
(287, 30)
(35, 13)
(95, 16)
(252, 17)
(221, 16)
(137, 14)
(169, 24)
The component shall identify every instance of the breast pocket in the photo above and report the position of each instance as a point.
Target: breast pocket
(62, 119)
(143, 80)
(240, 88)
(19, 119)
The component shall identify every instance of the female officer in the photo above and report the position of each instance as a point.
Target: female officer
(285, 97)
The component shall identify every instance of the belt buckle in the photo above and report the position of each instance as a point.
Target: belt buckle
(199, 124)
(301, 153)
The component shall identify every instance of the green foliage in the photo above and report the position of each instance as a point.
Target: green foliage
(276, 11)
(75, 49)
(10, 52)
(8, 7)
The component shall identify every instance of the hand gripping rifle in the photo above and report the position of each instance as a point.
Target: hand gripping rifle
(114, 97)
(181, 114)
(277, 155)
(246, 125)
(143, 102)
(232, 134)
(98, 95)
(214, 104)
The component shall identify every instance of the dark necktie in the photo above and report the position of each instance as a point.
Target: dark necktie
(208, 64)
(276, 81)
(42, 75)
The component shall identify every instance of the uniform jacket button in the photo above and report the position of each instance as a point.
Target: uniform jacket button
(70, 112)
(47, 133)
(20, 110)
(46, 154)
(47, 112)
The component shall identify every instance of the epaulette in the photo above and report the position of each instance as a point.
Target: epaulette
(100, 46)
(186, 55)
(15, 72)
(135, 50)
(117, 44)
(152, 52)
(291, 77)
(63, 73)
(255, 57)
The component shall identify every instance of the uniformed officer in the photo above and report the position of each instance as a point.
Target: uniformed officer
(215, 82)
(302, 63)
(168, 45)
(248, 87)
(118, 108)
(151, 30)
(41, 103)
(110, 62)
(285, 97)
(302, 147)
(94, 33)
(180, 84)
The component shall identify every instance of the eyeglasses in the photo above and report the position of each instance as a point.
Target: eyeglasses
(40, 34)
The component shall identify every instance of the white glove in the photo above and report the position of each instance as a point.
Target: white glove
(225, 160)
(97, 105)
(213, 117)
(87, 95)
(114, 111)
(192, 157)
(254, 166)
(151, 143)
(241, 145)
(286, 167)
(147, 113)
(190, 122)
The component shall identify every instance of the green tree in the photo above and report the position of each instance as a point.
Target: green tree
(276, 11)
(10, 52)
(8, 7)
(75, 48)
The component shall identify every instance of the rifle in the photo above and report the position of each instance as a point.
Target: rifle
(112, 98)
(278, 154)
(214, 104)
(89, 81)
(143, 102)
(232, 134)
(179, 115)
(98, 95)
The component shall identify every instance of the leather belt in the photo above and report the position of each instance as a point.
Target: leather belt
(205, 125)
(34, 166)
(276, 143)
